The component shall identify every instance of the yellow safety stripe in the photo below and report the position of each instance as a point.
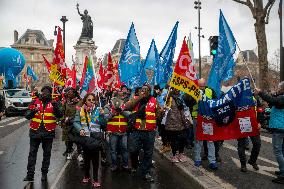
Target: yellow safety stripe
(119, 116)
(49, 121)
(150, 113)
(36, 120)
(48, 114)
(150, 121)
(117, 123)
(138, 120)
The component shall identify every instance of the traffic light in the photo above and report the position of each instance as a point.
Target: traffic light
(213, 43)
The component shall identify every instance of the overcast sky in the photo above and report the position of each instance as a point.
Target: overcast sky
(153, 19)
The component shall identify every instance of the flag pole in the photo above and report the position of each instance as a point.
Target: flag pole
(53, 86)
(95, 76)
(246, 65)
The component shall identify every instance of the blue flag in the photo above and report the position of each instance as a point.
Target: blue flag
(167, 54)
(10, 76)
(223, 63)
(129, 64)
(31, 73)
(152, 64)
(143, 76)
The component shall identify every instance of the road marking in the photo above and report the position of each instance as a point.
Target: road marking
(53, 186)
(231, 147)
(8, 119)
(18, 121)
(266, 139)
(264, 170)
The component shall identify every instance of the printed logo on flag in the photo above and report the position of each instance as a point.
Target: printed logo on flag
(207, 128)
(245, 125)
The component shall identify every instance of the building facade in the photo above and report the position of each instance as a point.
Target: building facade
(33, 44)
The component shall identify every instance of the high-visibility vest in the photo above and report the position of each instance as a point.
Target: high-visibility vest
(209, 94)
(43, 115)
(34, 96)
(150, 110)
(118, 124)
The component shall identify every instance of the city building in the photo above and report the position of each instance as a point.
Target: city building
(33, 44)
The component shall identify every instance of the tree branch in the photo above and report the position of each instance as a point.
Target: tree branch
(267, 9)
(247, 3)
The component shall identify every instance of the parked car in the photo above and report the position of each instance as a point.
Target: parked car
(16, 101)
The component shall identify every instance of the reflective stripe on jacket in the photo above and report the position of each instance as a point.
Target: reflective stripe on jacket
(150, 121)
(43, 115)
(118, 124)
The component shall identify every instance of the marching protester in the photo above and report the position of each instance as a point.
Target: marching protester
(276, 125)
(176, 126)
(211, 154)
(43, 113)
(72, 99)
(89, 123)
(242, 146)
(147, 110)
(117, 127)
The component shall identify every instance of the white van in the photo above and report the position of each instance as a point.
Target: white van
(16, 101)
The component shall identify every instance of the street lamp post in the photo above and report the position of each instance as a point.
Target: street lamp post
(281, 44)
(63, 20)
(197, 5)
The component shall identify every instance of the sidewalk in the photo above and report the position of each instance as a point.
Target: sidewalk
(228, 174)
(199, 176)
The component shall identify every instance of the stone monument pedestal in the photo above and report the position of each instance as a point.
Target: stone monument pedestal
(85, 47)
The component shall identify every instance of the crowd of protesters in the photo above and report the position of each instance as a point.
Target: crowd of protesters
(128, 124)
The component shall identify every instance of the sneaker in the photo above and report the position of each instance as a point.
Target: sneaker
(43, 177)
(175, 159)
(182, 158)
(96, 184)
(125, 168)
(85, 180)
(244, 168)
(213, 166)
(69, 156)
(29, 178)
(80, 158)
(279, 180)
(149, 178)
(254, 165)
(197, 163)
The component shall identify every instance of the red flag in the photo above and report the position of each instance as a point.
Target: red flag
(47, 64)
(244, 125)
(84, 72)
(118, 82)
(100, 78)
(59, 59)
(109, 75)
(71, 82)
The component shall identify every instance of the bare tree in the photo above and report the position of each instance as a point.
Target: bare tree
(260, 14)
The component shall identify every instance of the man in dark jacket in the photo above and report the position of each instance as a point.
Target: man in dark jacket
(43, 113)
(276, 124)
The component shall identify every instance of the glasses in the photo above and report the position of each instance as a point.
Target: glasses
(91, 100)
(144, 89)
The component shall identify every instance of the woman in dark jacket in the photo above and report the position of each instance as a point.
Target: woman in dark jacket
(175, 126)
(88, 122)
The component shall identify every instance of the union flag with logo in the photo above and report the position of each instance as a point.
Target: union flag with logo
(184, 76)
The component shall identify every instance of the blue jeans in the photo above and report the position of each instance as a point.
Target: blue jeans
(278, 148)
(118, 141)
(198, 146)
(141, 140)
